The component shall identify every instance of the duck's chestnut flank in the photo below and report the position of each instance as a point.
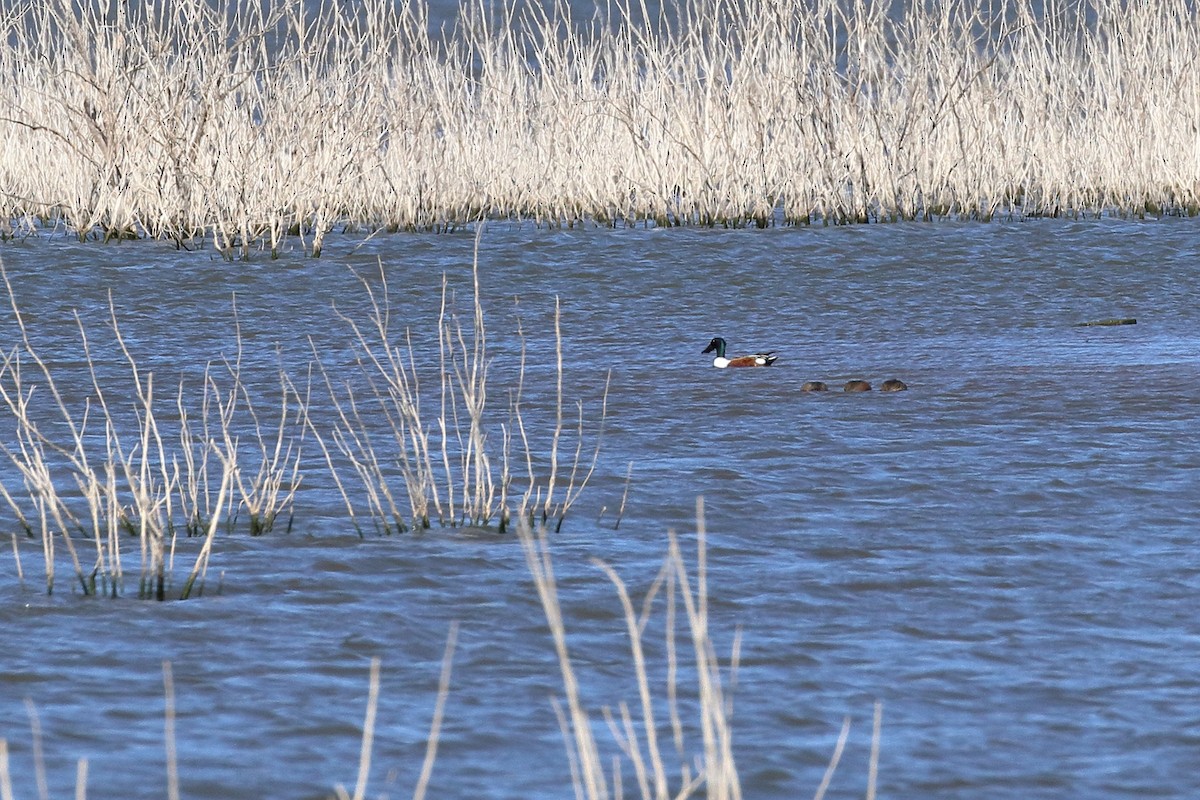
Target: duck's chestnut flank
(756, 360)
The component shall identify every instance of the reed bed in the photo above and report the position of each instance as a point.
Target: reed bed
(93, 471)
(244, 124)
(461, 464)
(88, 471)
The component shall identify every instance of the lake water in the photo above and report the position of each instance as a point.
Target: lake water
(1005, 555)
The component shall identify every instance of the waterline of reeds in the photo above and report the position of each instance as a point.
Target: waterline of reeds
(248, 126)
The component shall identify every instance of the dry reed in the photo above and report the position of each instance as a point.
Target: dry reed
(423, 468)
(640, 740)
(716, 770)
(96, 468)
(431, 741)
(121, 461)
(168, 733)
(243, 124)
(171, 748)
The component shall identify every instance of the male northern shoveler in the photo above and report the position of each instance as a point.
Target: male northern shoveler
(757, 360)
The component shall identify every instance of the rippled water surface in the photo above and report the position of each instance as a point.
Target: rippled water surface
(1005, 555)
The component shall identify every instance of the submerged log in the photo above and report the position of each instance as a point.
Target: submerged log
(1116, 321)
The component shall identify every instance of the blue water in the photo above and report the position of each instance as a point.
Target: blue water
(1005, 555)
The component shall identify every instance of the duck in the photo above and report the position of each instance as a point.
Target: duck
(720, 362)
(814, 386)
(893, 385)
(857, 386)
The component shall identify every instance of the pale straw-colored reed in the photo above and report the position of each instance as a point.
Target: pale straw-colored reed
(642, 736)
(118, 460)
(94, 469)
(446, 466)
(172, 789)
(241, 124)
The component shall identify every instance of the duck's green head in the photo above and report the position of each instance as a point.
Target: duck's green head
(717, 344)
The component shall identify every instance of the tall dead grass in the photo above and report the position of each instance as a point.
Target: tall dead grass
(677, 742)
(244, 124)
(462, 463)
(657, 738)
(115, 456)
(106, 468)
(96, 470)
(170, 746)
